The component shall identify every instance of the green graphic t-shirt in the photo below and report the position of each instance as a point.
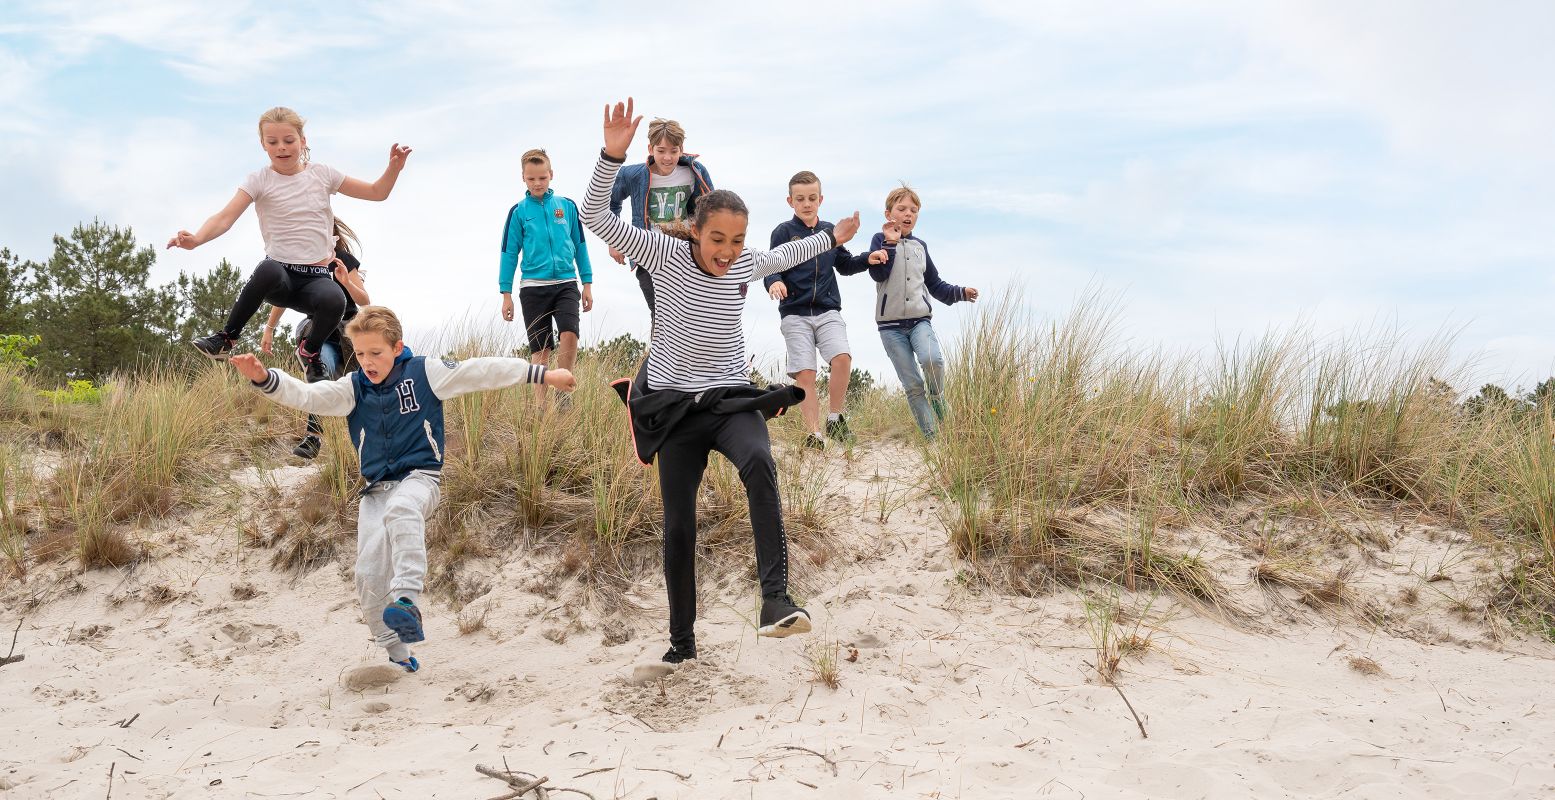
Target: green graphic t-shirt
(668, 195)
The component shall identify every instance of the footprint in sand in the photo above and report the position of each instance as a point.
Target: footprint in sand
(374, 707)
(648, 673)
(373, 677)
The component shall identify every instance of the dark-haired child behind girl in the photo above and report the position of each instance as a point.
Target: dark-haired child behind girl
(334, 353)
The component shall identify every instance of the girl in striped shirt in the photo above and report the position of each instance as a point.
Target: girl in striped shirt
(700, 282)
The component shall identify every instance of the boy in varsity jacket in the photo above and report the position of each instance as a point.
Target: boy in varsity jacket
(393, 406)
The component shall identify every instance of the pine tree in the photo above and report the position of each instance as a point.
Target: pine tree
(91, 304)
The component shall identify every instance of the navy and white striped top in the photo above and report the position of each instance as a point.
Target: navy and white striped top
(698, 341)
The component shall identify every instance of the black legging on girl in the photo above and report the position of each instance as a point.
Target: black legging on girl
(307, 288)
(742, 438)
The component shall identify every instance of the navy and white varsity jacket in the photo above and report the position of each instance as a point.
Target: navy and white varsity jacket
(397, 425)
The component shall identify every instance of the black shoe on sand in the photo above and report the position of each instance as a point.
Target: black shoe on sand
(678, 654)
(780, 617)
(307, 448)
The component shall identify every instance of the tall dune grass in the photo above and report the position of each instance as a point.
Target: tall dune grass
(1054, 422)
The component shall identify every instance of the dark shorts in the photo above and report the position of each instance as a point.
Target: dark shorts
(546, 307)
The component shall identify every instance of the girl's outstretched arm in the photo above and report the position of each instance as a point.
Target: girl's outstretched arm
(649, 248)
(790, 254)
(218, 224)
(379, 189)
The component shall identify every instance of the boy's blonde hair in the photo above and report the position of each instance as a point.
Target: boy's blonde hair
(285, 116)
(666, 130)
(536, 156)
(803, 176)
(900, 192)
(379, 320)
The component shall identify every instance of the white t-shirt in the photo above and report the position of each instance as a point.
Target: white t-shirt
(668, 195)
(295, 219)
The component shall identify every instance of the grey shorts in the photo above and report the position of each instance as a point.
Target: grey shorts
(803, 335)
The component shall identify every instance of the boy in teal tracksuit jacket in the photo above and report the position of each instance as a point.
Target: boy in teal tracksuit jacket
(544, 228)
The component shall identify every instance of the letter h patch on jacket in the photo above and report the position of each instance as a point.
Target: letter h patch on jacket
(407, 392)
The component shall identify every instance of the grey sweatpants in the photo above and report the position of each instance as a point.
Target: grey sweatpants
(391, 550)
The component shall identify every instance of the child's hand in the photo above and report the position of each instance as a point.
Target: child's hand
(844, 229)
(342, 275)
(620, 128)
(891, 232)
(247, 364)
(182, 239)
(778, 291)
(560, 379)
(267, 340)
(879, 257)
(397, 156)
(970, 293)
(618, 256)
(588, 297)
(507, 307)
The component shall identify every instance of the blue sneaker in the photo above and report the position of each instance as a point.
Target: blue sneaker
(410, 664)
(402, 617)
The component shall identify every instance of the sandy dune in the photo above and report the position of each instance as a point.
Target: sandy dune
(164, 678)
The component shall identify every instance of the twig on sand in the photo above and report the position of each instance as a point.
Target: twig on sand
(1131, 711)
(109, 796)
(661, 769)
(806, 703)
(519, 785)
(11, 658)
(821, 756)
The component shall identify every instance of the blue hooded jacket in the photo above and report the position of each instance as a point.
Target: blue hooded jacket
(396, 425)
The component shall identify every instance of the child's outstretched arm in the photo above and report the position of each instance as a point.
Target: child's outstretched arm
(325, 398)
(218, 224)
(943, 291)
(774, 282)
(789, 254)
(378, 189)
(649, 249)
(449, 378)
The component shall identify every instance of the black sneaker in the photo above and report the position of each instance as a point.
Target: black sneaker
(216, 346)
(307, 448)
(780, 617)
(679, 654)
(814, 442)
(312, 365)
(838, 429)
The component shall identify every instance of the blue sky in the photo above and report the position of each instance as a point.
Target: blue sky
(1224, 167)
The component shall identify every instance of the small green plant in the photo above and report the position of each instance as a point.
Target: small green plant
(824, 659)
(76, 392)
(14, 347)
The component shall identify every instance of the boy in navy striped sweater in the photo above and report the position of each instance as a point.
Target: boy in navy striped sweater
(393, 405)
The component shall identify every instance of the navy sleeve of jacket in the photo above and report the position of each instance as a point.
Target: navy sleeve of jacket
(946, 293)
(881, 271)
(849, 264)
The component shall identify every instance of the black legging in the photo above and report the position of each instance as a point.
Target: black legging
(645, 282)
(313, 293)
(742, 438)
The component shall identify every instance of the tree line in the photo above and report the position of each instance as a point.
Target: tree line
(94, 310)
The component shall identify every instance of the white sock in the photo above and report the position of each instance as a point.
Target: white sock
(834, 416)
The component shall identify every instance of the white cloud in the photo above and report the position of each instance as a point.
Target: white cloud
(1227, 165)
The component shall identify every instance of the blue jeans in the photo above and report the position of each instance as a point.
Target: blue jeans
(329, 353)
(910, 349)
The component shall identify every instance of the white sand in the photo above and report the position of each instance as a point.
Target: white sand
(957, 691)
